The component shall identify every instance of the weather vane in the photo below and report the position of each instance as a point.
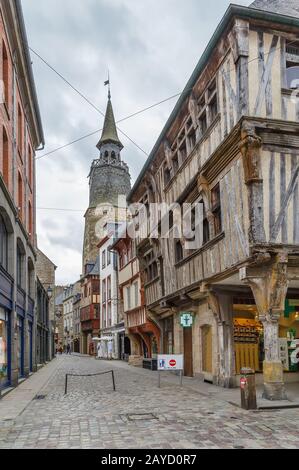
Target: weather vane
(107, 82)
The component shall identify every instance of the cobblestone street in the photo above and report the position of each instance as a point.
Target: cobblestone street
(91, 415)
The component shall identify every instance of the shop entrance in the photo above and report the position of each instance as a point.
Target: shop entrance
(188, 352)
(207, 353)
(248, 336)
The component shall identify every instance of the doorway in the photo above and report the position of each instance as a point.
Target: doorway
(188, 352)
(207, 353)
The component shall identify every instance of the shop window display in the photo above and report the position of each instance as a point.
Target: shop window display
(3, 349)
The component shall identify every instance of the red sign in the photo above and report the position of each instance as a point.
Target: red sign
(243, 382)
(172, 362)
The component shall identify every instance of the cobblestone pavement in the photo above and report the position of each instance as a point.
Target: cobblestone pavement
(91, 415)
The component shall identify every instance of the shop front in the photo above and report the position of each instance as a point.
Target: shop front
(249, 336)
(4, 348)
(20, 345)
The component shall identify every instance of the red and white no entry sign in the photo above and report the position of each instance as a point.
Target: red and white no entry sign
(172, 362)
(243, 382)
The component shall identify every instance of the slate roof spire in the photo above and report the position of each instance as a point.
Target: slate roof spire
(282, 7)
(109, 133)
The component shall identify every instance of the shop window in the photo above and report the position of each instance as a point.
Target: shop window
(3, 244)
(5, 74)
(292, 65)
(4, 344)
(216, 209)
(179, 254)
(5, 157)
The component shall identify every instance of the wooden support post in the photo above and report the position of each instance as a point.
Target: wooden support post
(269, 285)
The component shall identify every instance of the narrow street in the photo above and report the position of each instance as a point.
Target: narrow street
(91, 415)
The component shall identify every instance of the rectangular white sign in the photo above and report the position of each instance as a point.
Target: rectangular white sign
(170, 361)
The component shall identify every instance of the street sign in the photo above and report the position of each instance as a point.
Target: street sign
(186, 319)
(170, 362)
(243, 382)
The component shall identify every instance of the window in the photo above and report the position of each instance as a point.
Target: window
(104, 291)
(3, 244)
(136, 293)
(20, 265)
(5, 74)
(30, 172)
(203, 123)
(179, 254)
(104, 320)
(152, 267)
(20, 195)
(175, 163)
(292, 65)
(20, 130)
(216, 209)
(109, 322)
(208, 107)
(108, 257)
(167, 175)
(104, 259)
(206, 226)
(109, 287)
(30, 227)
(128, 290)
(5, 158)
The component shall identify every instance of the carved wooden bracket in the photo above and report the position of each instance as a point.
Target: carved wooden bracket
(269, 287)
(250, 147)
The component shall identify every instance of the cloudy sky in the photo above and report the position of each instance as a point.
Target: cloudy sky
(150, 47)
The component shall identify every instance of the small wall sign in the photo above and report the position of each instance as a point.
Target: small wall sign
(186, 319)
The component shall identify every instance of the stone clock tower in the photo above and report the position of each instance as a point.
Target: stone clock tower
(109, 178)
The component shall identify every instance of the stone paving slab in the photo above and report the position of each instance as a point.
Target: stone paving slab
(92, 415)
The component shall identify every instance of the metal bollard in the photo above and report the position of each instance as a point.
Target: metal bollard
(247, 387)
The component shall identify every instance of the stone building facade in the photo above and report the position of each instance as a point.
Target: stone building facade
(21, 135)
(45, 270)
(231, 146)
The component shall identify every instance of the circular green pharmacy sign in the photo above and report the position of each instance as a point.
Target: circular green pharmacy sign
(186, 319)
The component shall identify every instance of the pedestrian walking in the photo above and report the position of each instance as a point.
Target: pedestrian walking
(68, 349)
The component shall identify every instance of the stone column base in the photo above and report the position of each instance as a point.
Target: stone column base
(274, 391)
(274, 388)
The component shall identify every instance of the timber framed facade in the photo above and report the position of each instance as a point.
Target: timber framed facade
(232, 144)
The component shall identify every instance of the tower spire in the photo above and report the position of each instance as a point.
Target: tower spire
(109, 133)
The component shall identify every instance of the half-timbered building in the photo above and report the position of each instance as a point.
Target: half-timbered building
(231, 143)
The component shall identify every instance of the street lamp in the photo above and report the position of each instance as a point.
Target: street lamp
(50, 292)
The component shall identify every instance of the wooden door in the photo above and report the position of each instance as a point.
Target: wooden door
(207, 350)
(188, 352)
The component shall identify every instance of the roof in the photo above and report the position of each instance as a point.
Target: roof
(96, 269)
(282, 7)
(29, 69)
(59, 299)
(232, 11)
(109, 134)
